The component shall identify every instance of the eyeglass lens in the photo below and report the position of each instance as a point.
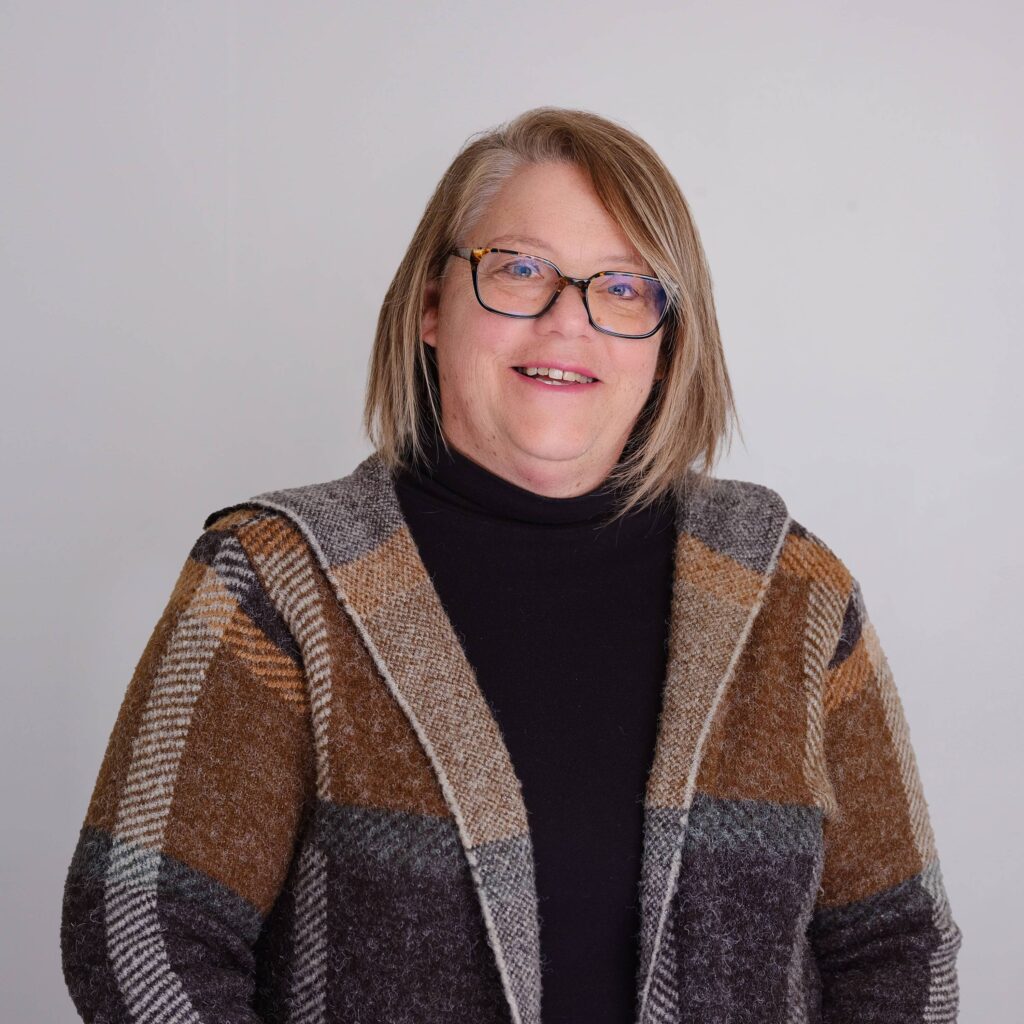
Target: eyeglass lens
(623, 303)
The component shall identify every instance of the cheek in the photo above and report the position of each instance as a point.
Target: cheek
(637, 372)
(470, 334)
(473, 358)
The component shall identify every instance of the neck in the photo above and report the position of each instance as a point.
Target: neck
(475, 486)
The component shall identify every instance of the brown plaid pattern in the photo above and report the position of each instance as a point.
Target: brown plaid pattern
(306, 811)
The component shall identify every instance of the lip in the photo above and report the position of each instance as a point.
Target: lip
(571, 367)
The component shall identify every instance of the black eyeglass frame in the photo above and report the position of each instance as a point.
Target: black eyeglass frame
(476, 254)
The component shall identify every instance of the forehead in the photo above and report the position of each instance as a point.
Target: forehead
(552, 210)
(541, 247)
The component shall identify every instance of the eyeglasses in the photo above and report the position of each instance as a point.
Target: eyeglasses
(516, 284)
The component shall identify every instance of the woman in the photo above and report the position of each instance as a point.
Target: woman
(527, 702)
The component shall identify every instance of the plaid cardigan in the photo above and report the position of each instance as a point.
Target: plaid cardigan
(306, 811)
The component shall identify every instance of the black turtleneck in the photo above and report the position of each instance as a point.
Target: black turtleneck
(565, 623)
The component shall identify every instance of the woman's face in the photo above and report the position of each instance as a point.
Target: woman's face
(554, 440)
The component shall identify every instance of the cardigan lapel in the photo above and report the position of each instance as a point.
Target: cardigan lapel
(728, 540)
(729, 534)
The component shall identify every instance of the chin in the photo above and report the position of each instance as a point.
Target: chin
(556, 449)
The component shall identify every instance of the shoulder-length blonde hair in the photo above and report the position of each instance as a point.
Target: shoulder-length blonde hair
(690, 409)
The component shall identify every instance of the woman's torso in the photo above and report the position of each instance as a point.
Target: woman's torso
(564, 620)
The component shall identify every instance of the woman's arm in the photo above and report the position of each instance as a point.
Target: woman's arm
(884, 938)
(194, 815)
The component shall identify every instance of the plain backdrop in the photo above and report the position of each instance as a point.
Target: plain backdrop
(204, 202)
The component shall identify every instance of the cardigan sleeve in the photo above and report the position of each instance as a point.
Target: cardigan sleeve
(882, 931)
(195, 812)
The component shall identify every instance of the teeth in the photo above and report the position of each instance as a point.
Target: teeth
(566, 375)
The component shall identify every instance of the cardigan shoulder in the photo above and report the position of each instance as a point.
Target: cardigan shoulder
(242, 548)
(361, 509)
(835, 611)
(833, 576)
(340, 519)
(345, 518)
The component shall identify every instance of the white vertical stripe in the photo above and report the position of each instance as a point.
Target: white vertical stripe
(825, 608)
(307, 990)
(151, 990)
(291, 583)
(943, 985)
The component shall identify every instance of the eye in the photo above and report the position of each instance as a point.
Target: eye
(523, 270)
(621, 290)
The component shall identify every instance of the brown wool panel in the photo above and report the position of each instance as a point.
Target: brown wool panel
(376, 759)
(246, 775)
(381, 762)
(871, 846)
(756, 749)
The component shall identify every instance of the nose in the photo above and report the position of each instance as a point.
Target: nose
(569, 311)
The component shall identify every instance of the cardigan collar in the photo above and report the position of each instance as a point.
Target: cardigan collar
(729, 536)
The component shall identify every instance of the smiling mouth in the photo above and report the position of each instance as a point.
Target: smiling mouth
(555, 378)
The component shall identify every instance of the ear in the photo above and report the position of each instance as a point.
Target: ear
(429, 312)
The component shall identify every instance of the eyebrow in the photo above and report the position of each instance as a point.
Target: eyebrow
(539, 243)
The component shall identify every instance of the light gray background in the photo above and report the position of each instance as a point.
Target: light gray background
(203, 204)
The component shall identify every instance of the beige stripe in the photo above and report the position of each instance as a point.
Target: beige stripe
(414, 638)
(824, 622)
(899, 731)
(392, 602)
(702, 626)
(705, 631)
(290, 576)
(150, 987)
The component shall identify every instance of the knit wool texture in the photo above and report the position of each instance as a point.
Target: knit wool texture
(306, 811)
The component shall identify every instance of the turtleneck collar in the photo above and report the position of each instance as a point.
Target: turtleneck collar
(458, 479)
